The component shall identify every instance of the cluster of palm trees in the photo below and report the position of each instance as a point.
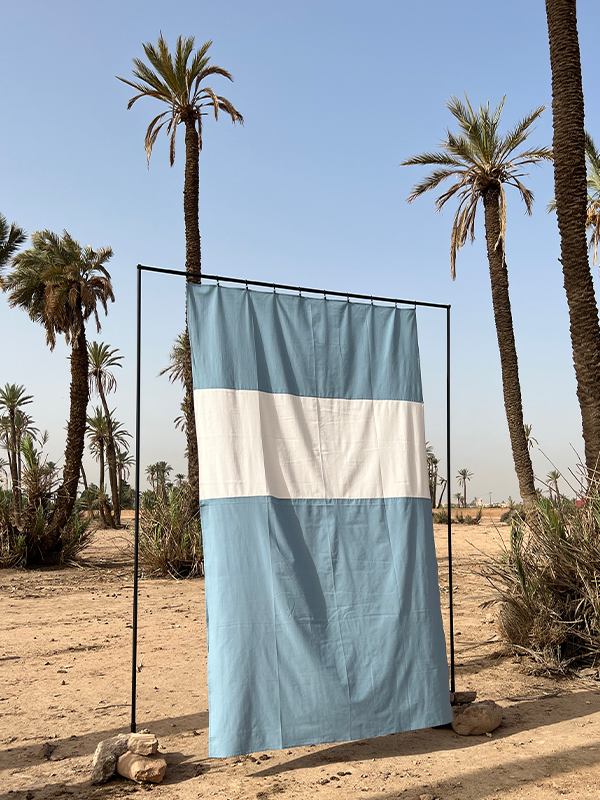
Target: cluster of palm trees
(60, 284)
(482, 163)
(107, 438)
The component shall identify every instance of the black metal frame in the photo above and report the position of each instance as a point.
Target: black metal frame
(301, 290)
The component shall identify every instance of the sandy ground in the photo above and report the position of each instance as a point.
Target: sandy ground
(65, 652)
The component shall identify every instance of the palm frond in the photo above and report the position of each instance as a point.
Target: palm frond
(428, 159)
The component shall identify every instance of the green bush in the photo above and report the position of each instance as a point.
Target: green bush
(441, 517)
(546, 579)
(170, 535)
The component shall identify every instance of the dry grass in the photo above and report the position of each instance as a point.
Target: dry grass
(546, 579)
(170, 535)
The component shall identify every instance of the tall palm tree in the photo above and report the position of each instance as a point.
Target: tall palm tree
(11, 238)
(102, 381)
(483, 162)
(12, 400)
(178, 81)
(463, 476)
(61, 285)
(570, 192)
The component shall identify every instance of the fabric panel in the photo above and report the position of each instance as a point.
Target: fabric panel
(285, 446)
(285, 344)
(325, 621)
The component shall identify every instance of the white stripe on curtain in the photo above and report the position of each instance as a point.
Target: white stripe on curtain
(259, 444)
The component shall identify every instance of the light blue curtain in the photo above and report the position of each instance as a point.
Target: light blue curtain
(322, 596)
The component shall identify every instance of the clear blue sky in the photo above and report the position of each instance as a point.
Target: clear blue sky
(334, 96)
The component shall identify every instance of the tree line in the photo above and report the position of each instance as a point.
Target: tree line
(62, 285)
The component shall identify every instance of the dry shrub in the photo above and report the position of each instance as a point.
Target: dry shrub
(170, 535)
(547, 581)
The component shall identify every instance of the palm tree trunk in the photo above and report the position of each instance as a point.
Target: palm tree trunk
(87, 493)
(101, 459)
(111, 458)
(570, 191)
(79, 395)
(191, 188)
(103, 507)
(506, 344)
(14, 473)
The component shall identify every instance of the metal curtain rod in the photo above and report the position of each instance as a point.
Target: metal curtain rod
(347, 295)
(267, 285)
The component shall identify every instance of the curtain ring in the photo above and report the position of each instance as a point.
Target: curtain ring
(371, 299)
(347, 298)
(274, 287)
(218, 284)
(246, 284)
(299, 291)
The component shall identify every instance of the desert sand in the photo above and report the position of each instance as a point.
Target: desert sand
(65, 672)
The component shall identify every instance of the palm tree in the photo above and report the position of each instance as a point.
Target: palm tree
(483, 162)
(61, 285)
(432, 469)
(553, 477)
(12, 400)
(124, 462)
(570, 192)
(102, 381)
(163, 470)
(178, 81)
(176, 360)
(11, 238)
(463, 476)
(458, 497)
(98, 426)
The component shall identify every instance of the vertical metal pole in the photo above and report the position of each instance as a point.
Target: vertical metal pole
(137, 498)
(449, 498)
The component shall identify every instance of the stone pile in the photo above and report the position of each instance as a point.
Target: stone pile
(134, 756)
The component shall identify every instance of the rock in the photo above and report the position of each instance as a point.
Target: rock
(143, 769)
(463, 697)
(144, 744)
(46, 750)
(476, 718)
(426, 797)
(105, 757)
